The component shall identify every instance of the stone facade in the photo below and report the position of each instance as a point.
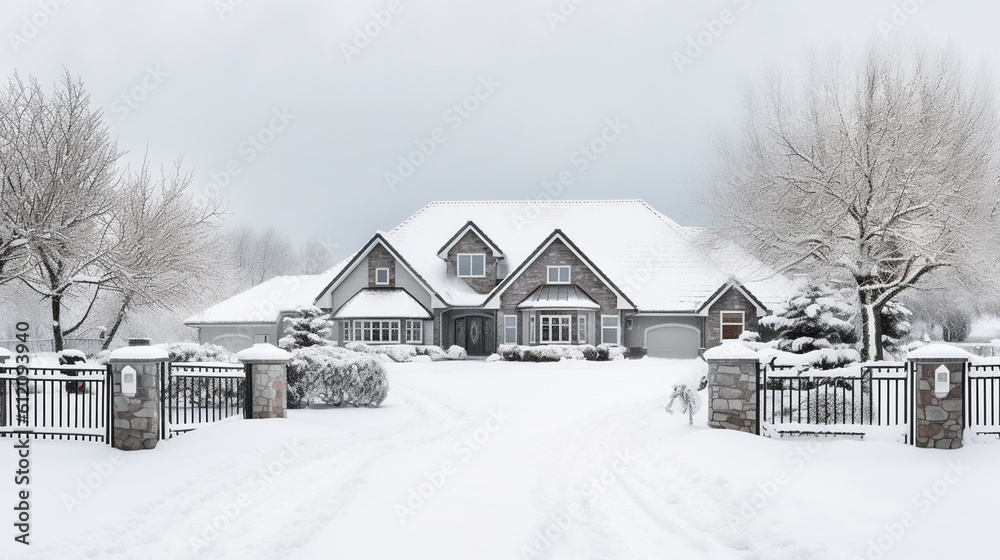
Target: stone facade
(732, 300)
(536, 274)
(940, 422)
(470, 243)
(136, 418)
(379, 257)
(268, 392)
(732, 398)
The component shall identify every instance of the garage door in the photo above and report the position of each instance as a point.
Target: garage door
(673, 341)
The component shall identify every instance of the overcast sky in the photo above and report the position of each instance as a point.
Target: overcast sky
(314, 103)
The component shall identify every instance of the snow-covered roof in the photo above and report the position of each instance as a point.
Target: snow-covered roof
(938, 351)
(554, 297)
(265, 302)
(382, 302)
(657, 264)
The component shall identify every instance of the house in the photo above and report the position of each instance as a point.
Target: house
(484, 273)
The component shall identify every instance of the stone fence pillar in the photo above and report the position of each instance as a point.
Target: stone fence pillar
(267, 380)
(136, 415)
(939, 384)
(732, 388)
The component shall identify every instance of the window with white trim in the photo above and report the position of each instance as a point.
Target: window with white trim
(414, 331)
(381, 276)
(556, 329)
(609, 329)
(581, 329)
(377, 331)
(531, 329)
(558, 275)
(345, 331)
(472, 265)
(731, 324)
(510, 329)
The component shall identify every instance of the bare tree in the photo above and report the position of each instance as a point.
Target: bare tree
(61, 172)
(258, 255)
(167, 246)
(880, 170)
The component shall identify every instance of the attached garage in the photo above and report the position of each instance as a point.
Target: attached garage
(673, 341)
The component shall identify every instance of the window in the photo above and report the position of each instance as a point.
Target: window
(381, 276)
(531, 329)
(472, 266)
(581, 329)
(609, 329)
(415, 332)
(556, 328)
(510, 329)
(732, 324)
(558, 275)
(345, 331)
(376, 331)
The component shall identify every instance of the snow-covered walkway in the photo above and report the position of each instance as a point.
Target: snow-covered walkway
(482, 460)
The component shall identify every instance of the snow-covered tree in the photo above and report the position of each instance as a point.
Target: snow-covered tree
(817, 317)
(878, 170)
(895, 326)
(310, 326)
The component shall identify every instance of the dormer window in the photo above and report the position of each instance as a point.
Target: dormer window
(558, 275)
(472, 265)
(381, 276)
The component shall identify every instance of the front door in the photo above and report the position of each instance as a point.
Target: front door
(475, 341)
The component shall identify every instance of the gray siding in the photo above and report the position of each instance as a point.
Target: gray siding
(359, 278)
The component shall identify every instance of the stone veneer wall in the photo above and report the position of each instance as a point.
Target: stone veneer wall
(472, 244)
(732, 399)
(269, 391)
(940, 423)
(136, 418)
(732, 300)
(379, 257)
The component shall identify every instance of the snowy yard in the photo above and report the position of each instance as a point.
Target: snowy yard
(474, 460)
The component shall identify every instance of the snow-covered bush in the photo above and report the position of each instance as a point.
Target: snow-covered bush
(406, 352)
(557, 352)
(689, 399)
(435, 353)
(310, 326)
(194, 352)
(493, 358)
(336, 376)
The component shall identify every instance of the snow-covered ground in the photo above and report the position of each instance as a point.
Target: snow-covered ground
(474, 460)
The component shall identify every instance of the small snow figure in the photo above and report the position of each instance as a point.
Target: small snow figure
(690, 401)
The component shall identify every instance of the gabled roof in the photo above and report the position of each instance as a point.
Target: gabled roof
(265, 302)
(470, 226)
(560, 236)
(377, 240)
(375, 303)
(732, 284)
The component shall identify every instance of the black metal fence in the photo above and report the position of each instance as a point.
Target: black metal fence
(67, 402)
(198, 394)
(878, 395)
(982, 405)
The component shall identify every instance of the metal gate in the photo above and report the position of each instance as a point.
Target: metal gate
(71, 402)
(194, 395)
